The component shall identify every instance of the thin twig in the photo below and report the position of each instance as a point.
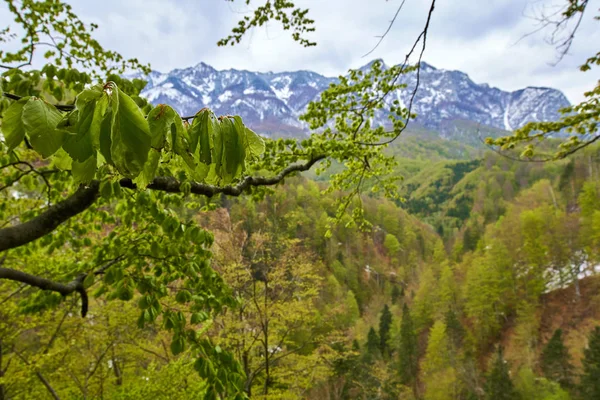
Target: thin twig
(387, 30)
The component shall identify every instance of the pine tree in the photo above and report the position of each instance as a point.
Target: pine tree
(456, 332)
(499, 386)
(372, 343)
(555, 361)
(395, 294)
(385, 324)
(590, 380)
(408, 348)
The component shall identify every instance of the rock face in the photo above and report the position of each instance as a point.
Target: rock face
(271, 103)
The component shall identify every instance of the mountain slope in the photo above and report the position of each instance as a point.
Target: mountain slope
(447, 101)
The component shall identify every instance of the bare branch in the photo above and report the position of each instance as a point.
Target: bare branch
(422, 36)
(387, 30)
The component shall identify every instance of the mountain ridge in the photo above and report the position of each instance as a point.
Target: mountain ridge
(271, 102)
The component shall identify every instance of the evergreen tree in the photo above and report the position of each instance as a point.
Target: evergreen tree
(396, 294)
(499, 386)
(456, 332)
(408, 349)
(555, 361)
(590, 380)
(372, 343)
(385, 324)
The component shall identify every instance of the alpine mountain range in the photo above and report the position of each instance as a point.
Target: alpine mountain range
(447, 102)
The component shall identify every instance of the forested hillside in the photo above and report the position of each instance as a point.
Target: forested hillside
(414, 306)
(150, 254)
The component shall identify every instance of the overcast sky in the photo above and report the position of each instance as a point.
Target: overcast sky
(479, 37)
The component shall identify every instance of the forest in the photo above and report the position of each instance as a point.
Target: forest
(145, 254)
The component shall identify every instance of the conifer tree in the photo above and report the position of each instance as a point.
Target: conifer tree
(555, 361)
(408, 349)
(456, 332)
(590, 380)
(372, 342)
(396, 294)
(499, 385)
(385, 324)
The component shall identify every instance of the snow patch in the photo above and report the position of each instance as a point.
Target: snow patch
(225, 96)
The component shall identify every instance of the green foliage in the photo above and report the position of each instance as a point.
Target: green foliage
(440, 377)
(54, 24)
(532, 387)
(589, 385)
(373, 343)
(499, 385)
(555, 361)
(385, 324)
(408, 350)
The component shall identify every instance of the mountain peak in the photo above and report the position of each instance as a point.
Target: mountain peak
(271, 102)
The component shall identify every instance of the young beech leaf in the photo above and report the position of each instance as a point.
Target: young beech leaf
(12, 124)
(217, 151)
(40, 120)
(104, 136)
(149, 171)
(84, 172)
(160, 119)
(241, 145)
(130, 137)
(180, 143)
(61, 160)
(229, 154)
(98, 118)
(256, 144)
(200, 135)
(178, 344)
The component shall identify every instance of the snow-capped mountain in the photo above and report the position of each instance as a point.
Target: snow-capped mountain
(271, 103)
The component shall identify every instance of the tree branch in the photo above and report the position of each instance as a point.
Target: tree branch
(50, 219)
(172, 185)
(76, 285)
(61, 107)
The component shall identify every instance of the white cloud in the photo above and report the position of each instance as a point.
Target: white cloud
(478, 37)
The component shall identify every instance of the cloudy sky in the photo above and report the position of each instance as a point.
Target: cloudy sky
(483, 38)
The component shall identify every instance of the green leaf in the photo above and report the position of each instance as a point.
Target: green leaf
(62, 160)
(181, 143)
(98, 118)
(40, 120)
(183, 296)
(106, 189)
(233, 149)
(149, 171)
(130, 137)
(12, 124)
(160, 119)
(125, 293)
(89, 280)
(177, 345)
(84, 172)
(104, 137)
(80, 145)
(256, 144)
(200, 135)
